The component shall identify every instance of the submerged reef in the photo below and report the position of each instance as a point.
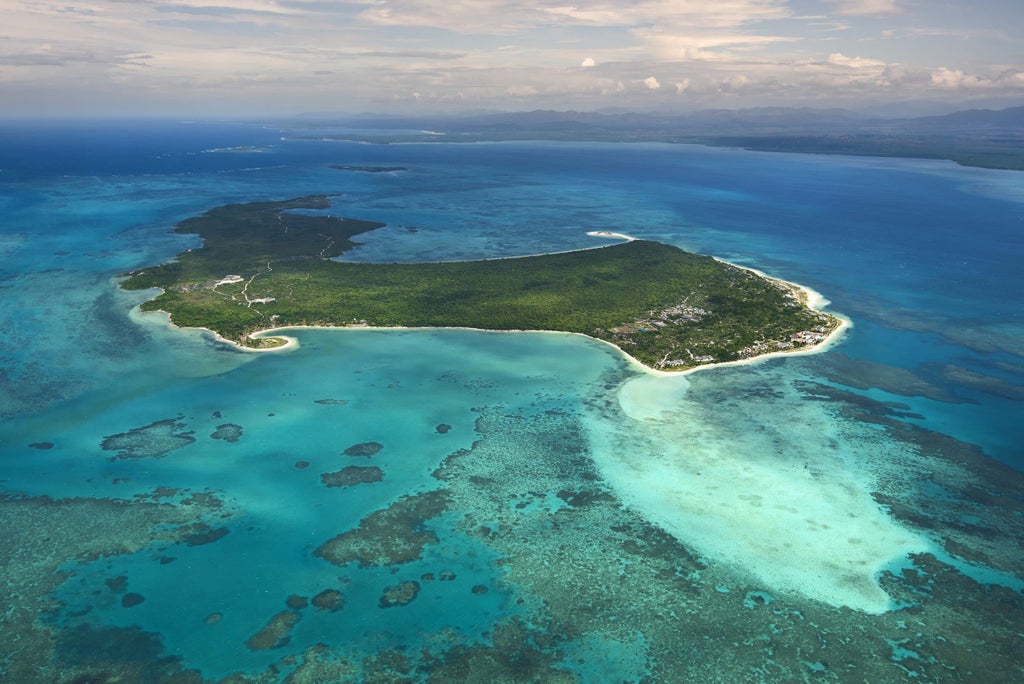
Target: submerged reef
(972, 504)
(392, 536)
(276, 633)
(41, 536)
(229, 432)
(330, 600)
(366, 449)
(352, 475)
(401, 594)
(597, 571)
(201, 533)
(587, 588)
(150, 441)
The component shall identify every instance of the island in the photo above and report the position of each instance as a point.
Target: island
(268, 265)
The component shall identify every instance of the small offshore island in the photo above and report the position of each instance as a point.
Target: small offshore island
(262, 267)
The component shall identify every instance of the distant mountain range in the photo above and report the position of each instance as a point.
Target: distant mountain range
(1011, 119)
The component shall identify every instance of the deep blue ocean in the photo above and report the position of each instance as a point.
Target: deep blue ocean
(542, 510)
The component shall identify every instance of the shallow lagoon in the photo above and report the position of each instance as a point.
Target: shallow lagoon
(562, 516)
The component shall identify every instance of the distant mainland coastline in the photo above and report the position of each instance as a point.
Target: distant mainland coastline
(976, 138)
(263, 269)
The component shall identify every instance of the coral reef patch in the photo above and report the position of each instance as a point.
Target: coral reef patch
(149, 441)
(329, 600)
(131, 599)
(391, 536)
(296, 602)
(276, 633)
(366, 449)
(201, 533)
(352, 475)
(401, 594)
(229, 432)
(41, 535)
(116, 654)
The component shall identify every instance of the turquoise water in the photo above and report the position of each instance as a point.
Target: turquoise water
(564, 517)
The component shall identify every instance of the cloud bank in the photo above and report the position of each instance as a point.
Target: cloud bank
(279, 56)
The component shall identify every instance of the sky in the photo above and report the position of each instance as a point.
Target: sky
(261, 57)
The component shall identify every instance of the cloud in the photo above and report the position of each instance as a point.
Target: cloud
(709, 14)
(959, 33)
(499, 16)
(868, 7)
(47, 55)
(411, 54)
(705, 45)
(840, 59)
(255, 54)
(458, 16)
(829, 26)
(521, 91)
(905, 78)
(950, 78)
(214, 6)
(957, 79)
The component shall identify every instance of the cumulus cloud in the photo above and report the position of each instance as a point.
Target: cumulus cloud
(588, 62)
(957, 79)
(651, 83)
(904, 77)
(840, 59)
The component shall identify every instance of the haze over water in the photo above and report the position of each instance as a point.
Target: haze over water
(534, 505)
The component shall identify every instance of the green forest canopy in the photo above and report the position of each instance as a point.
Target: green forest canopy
(262, 266)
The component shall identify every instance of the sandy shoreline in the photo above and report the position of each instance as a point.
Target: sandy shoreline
(291, 343)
